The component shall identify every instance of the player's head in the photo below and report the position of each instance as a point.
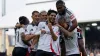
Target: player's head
(35, 16)
(63, 23)
(60, 5)
(51, 15)
(43, 15)
(23, 20)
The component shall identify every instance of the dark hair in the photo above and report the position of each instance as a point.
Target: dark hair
(60, 2)
(23, 20)
(51, 11)
(42, 12)
(34, 12)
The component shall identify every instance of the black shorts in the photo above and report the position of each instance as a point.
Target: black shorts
(19, 51)
(33, 53)
(44, 53)
(75, 55)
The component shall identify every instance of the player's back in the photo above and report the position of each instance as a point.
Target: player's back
(18, 41)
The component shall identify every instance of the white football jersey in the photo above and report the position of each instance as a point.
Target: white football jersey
(31, 29)
(18, 41)
(71, 44)
(46, 42)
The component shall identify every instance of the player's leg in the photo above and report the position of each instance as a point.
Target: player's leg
(50, 54)
(40, 53)
(33, 53)
(18, 51)
(14, 52)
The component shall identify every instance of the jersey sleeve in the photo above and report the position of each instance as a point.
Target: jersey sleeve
(71, 15)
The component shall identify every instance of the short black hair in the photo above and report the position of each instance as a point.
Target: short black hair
(51, 11)
(23, 20)
(60, 2)
(34, 12)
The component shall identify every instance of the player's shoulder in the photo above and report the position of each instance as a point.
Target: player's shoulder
(69, 11)
(29, 25)
(42, 23)
(22, 29)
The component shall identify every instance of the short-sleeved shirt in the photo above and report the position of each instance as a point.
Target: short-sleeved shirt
(18, 41)
(69, 16)
(46, 42)
(31, 29)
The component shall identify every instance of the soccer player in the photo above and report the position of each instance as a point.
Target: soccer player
(31, 29)
(63, 11)
(67, 14)
(43, 16)
(48, 44)
(20, 47)
(70, 38)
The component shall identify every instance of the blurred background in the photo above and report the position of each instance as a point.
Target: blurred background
(87, 13)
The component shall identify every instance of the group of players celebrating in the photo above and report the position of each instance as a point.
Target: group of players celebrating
(52, 33)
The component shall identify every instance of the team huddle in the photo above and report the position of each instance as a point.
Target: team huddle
(52, 33)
